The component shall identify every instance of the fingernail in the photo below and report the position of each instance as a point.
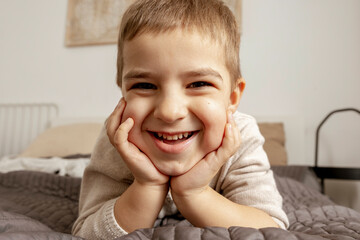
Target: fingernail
(120, 102)
(129, 121)
(230, 116)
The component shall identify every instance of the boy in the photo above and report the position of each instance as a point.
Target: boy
(175, 142)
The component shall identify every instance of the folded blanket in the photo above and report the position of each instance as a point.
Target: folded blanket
(60, 166)
(16, 226)
(47, 198)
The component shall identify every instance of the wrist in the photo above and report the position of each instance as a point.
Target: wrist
(139, 205)
(150, 186)
(193, 205)
(189, 193)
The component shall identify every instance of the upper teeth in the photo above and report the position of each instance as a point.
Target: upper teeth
(173, 137)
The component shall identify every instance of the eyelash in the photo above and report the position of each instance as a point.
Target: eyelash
(199, 84)
(150, 86)
(146, 86)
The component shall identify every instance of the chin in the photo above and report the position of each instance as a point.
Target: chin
(174, 170)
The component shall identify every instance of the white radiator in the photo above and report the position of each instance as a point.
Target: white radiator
(21, 123)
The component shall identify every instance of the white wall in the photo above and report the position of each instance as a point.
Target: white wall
(35, 66)
(300, 58)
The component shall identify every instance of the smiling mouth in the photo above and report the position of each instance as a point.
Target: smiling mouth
(173, 138)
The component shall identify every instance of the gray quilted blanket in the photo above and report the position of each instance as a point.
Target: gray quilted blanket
(311, 216)
(36, 205)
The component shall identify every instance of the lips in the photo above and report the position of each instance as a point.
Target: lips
(173, 143)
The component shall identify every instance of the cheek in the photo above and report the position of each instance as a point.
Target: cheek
(130, 112)
(136, 111)
(214, 119)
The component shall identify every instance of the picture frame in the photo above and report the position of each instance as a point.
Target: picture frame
(95, 22)
(92, 22)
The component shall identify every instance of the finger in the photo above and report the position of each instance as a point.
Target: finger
(237, 136)
(231, 140)
(114, 119)
(236, 140)
(122, 134)
(230, 118)
(229, 131)
(225, 150)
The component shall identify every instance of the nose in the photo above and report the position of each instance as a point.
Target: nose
(171, 108)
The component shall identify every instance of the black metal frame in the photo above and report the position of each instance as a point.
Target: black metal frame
(333, 172)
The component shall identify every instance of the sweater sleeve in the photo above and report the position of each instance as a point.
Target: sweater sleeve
(247, 179)
(104, 180)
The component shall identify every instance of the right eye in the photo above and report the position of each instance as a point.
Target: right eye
(143, 85)
(199, 84)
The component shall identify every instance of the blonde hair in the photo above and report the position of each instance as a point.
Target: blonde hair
(211, 18)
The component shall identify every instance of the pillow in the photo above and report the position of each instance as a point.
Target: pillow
(65, 140)
(80, 138)
(274, 145)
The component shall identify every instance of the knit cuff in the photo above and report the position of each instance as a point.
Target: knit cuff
(110, 222)
(281, 224)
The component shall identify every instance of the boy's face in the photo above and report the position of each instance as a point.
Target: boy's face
(177, 90)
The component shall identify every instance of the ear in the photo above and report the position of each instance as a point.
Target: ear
(236, 94)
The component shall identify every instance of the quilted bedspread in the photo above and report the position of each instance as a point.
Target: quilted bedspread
(311, 216)
(35, 205)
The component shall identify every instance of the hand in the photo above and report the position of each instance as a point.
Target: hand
(139, 164)
(198, 178)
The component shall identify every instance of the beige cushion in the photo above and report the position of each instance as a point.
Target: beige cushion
(64, 140)
(274, 145)
(80, 139)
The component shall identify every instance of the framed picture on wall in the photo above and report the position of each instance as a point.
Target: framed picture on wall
(91, 22)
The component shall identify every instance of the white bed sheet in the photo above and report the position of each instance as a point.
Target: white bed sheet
(60, 166)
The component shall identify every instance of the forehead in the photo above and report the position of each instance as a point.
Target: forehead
(175, 45)
(216, 41)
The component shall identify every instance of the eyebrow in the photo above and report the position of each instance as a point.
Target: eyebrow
(134, 74)
(203, 72)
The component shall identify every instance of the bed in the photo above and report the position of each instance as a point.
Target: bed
(40, 183)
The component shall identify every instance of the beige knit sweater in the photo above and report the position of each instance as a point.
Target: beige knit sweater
(245, 178)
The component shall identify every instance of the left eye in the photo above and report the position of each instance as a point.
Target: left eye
(199, 84)
(143, 85)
